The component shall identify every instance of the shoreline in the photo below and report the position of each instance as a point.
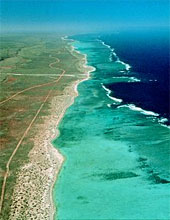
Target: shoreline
(76, 84)
(36, 179)
(132, 166)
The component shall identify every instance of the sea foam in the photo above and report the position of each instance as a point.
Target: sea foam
(127, 66)
(89, 69)
(130, 79)
(135, 108)
(162, 121)
(108, 94)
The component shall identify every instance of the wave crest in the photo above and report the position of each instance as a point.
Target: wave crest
(108, 94)
(135, 108)
(127, 66)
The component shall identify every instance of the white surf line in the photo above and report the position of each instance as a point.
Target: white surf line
(67, 39)
(108, 46)
(108, 94)
(138, 109)
(127, 66)
(64, 37)
(85, 64)
(132, 107)
(129, 78)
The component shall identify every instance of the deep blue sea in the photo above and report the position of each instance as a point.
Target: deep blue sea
(147, 52)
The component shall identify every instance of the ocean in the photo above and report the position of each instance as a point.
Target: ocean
(147, 52)
(115, 137)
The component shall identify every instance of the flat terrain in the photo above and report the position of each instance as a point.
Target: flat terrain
(34, 70)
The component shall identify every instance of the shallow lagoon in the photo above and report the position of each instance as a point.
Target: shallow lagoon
(117, 160)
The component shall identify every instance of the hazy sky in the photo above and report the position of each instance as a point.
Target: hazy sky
(82, 15)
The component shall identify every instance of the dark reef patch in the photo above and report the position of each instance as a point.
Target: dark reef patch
(156, 179)
(116, 175)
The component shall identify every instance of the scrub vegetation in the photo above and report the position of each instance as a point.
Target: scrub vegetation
(30, 67)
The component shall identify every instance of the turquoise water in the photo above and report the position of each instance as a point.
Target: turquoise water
(117, 160)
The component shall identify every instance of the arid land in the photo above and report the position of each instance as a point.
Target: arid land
(39, 76)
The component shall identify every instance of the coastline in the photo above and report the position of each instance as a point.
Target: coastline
(109, 162)
(88, 70)
(37, 178)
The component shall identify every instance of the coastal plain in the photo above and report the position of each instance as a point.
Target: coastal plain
(39, 75)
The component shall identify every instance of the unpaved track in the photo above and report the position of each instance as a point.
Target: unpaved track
(36, 86)
(25, 133)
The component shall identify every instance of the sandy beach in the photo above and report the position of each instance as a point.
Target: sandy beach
(35, 179)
